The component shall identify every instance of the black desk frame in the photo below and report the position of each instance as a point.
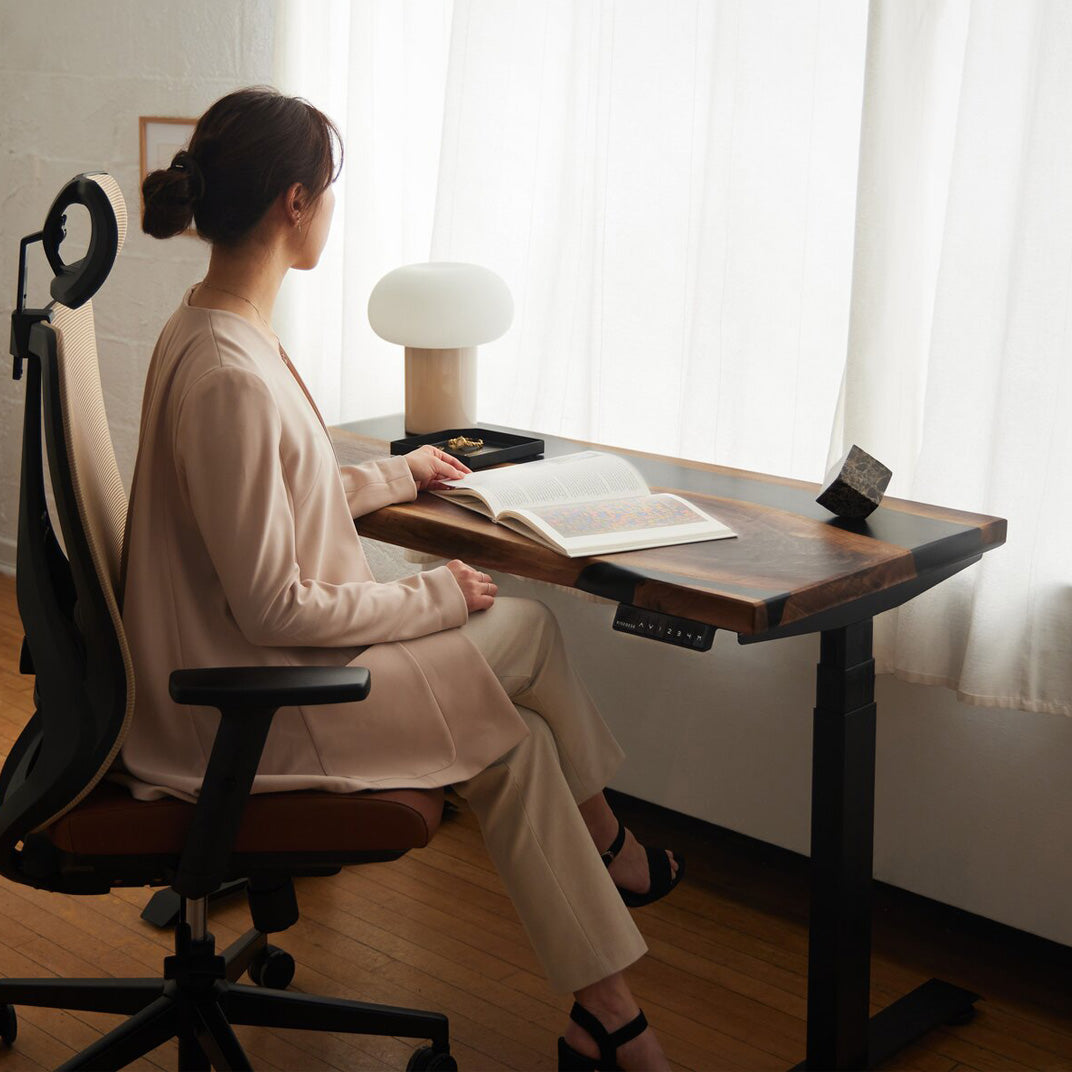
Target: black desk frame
(841, 1035)
(840, 1032)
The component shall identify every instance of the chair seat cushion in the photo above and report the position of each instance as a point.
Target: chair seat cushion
(110, 822)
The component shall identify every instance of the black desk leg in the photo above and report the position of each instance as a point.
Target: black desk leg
(842, 824)
(840, 1034)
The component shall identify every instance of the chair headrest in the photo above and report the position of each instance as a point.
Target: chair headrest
(74, 284)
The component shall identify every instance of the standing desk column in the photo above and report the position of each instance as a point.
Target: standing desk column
(840, 1032)
(842, 824)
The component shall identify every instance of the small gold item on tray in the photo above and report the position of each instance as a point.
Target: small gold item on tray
(464, 445)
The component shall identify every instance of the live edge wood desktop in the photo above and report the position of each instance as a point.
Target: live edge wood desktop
(792, 569)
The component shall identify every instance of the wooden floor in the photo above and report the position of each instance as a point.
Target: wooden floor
(724, 982)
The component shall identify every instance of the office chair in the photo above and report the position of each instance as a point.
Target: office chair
(64, 826)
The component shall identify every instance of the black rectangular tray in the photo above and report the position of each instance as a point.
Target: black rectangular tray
(498, 447)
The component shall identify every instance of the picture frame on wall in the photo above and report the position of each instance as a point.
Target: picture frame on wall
(160, 138)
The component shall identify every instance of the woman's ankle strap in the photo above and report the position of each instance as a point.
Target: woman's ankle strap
(608, 1041)
(609, 854)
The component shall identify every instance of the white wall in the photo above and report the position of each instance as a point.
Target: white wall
(974, 806)
(74, 78)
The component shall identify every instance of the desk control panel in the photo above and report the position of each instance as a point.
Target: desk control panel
(665, 627)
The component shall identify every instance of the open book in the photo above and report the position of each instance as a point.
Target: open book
(583, 504)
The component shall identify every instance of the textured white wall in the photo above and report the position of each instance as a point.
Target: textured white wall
(973, 806)
(74, 78)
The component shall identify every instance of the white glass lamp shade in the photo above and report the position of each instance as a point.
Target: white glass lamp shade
(440, 306)
(440, 312)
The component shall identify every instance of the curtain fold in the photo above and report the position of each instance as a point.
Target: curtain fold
(668, 190)
(958, 369)
(378, 68)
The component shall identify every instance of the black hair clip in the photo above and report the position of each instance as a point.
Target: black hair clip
(183, 161)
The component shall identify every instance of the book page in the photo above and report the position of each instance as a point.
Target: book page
(606, 525)
(583, 477)
(470, 500)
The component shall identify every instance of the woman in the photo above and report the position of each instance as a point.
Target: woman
(241, 523)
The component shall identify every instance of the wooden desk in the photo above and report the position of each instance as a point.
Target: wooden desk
(792, 569)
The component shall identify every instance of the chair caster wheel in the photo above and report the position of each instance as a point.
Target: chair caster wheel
(272, 967)
(965, 1016)
(427, 1058)
(9, 1024)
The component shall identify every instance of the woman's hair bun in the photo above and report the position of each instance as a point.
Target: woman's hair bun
(246, 150)
(170, 196)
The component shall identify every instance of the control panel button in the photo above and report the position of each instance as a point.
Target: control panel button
(665, 627)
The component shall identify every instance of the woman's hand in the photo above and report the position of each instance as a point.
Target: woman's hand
(478, 588)
(430, 466)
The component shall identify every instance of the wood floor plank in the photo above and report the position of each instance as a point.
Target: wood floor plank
(502, 937)
(985, 1033)
(445, 872)
(467, 923)
(1056, 1042)
(346, 910)
(767, 1029)
(963, 1050)
(694, 963)
(919, 1058)
(35, 1048)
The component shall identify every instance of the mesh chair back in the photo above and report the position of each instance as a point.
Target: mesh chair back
(68, 595)
(99, 493)
(101, 497)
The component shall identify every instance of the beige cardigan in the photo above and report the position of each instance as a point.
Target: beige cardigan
(242, 551)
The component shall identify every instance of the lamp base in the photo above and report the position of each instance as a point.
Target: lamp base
(440, 389)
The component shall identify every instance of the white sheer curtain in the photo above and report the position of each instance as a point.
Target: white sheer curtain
(959, 370)
(378, 68)
(668, 189)
(696, 233)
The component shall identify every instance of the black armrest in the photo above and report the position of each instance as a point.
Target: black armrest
(243, 687)
(247, 698)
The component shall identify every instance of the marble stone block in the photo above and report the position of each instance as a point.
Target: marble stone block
(855, 485)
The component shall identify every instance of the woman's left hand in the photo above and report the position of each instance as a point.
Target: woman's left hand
(430, 466)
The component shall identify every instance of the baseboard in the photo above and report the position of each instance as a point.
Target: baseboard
(789, 872)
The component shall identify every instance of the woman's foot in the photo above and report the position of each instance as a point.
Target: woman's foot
(640, 1048)
(633, 868)
(642, 875)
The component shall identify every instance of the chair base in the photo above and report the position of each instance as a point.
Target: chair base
(197, 1002)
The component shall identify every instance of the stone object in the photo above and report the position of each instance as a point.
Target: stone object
(855, 485)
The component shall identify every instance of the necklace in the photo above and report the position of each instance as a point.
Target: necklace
(282, 353)
(240, 297)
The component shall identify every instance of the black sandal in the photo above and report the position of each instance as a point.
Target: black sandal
(569, 1060)
(662, 877)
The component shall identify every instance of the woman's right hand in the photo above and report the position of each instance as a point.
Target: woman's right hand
(478, 588)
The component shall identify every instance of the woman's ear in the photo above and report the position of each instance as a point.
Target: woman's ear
(295, 202)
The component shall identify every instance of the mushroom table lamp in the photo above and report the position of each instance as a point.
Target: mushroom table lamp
(440, 312)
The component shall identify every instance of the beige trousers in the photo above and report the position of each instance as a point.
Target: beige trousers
(526, 802)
